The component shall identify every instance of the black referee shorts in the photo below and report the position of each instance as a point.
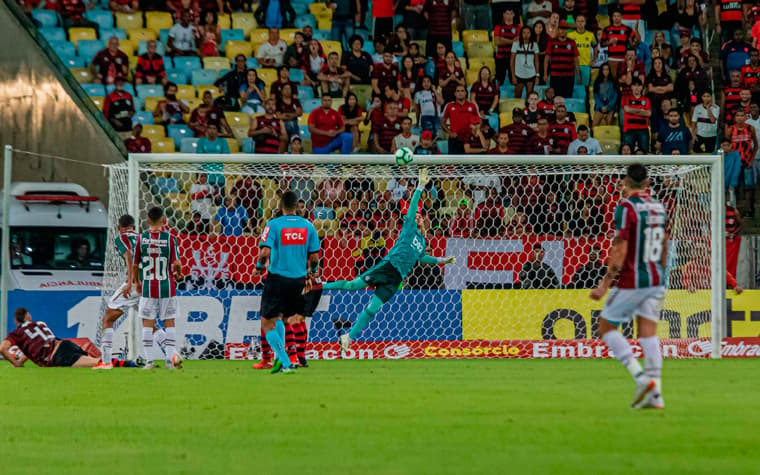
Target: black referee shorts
(282, 297)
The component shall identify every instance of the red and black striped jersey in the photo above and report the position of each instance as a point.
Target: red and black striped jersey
(623, 35)
(439, 16)
(730, 10)
(731, 100)
(268, 143)
(562, 54)
(635, 122)
(386, 130)
(506, 32)
(520, 136)
(484, 95)
(741, 141)
(562, 134)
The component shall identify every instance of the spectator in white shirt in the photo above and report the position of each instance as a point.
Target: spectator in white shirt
(397, 187)
(183, 37)
(271, 53)
(590, 143)
(202, 197)
(753, 119)
(704, 124)
(406, 138)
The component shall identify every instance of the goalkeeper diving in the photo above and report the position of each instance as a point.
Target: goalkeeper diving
(387, 276)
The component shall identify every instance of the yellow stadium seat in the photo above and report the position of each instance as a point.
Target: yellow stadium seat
(216, 62)
(82, 75)
(604, 21)
(318, 9)
(185, 92)
(234, 48)
(304, 119)
(506, 105)
(471, 76)
(477, 63)
(581, 118)
(505, 118)
(610, 147)
(255, 47)
(137, 35)
(364, 131)
(158, 21)
(479, 50)
(422, 44)
(239, 131)
(338, 102)
(76, 34)
(98, 101)
(326, 227)
(234, 145)
(127, 48)
(472, 36)
(237, 118)
(244, 21)
(267, 75)
(260, 35)
(151, 103)
(363, 93)
(330, 46)
(153, 131)
(192, 103)
(224, 21)
(607, 132)
(180, 203)
(129, 21)
(208, 87)
(324, 23)
(162, 145)
(288, 35)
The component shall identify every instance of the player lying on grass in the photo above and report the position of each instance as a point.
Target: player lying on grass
(386, 277)
(636, 273)
(121, 301)
(38, 343)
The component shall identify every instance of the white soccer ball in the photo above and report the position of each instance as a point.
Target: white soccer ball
(404, 156)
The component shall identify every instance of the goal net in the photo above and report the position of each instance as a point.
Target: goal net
(530, 237)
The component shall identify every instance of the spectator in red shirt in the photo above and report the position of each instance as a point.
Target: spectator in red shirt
(561, 65)
(386, 128)
(328, 131)
(502, 145)
(119, 107)
(562, 130)
(124, 6)
(457, 120)
(136, 143)
(449, 77)
(72, 12)
(518, 133)
(485, 93)
(383, 74)
(150, 66)
(439, 14)
(476, 142)
(462, 224)
(489, 215)
(334, 79)
(110, 63)
(542, 143)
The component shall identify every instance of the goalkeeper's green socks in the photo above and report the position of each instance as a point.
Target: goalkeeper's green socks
(367, 314)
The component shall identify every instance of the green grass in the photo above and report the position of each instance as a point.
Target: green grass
(393, 417)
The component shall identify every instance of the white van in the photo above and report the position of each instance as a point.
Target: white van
(58, 237)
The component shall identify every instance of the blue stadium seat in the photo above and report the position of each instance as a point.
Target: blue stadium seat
(165, 185)
(538, 89)
(369, 48)
(310, 104)
(304, 20)
(97, 90)
(300, 8)
(143, 48)
(103, 18)
(143, 117)
(235, 34)
(247, 145)
(106, 33)
(177, 132)
(51, 33)
(585, 75)
(64, 48)
(430, 68)
(203, 76)
(187, 63)
(579, 92)
(163, 36)
(127, 87)
(575, 105)
(458, 48)
(140, 105)
(188, 145)
(303, 131)
(443, 146)
(251, 63)
(177, 76)
(46, 17)
(305, 93)
(87, 49)
(296, 75)
(493, 122)
(321, 35)
(73, 61)
(363, 33)
(150, 90)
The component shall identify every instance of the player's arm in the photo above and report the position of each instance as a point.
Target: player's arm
(422, 180)
(432, 260)
(176, 264)
(618, 253)
(130, 275)
(313, 262)
(262, 261)
(5, 347)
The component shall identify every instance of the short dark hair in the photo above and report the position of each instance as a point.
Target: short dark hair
(126, 221)
(582, 128)
(673, 109)
(289, 200)
(155, 214)
(636, 173)
(326, 94)
(20, 314)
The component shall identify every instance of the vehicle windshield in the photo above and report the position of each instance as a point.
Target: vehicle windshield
(58, 248)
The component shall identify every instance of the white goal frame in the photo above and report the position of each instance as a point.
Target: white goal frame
(715, 163)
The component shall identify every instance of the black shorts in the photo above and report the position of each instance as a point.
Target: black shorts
(67, 354)
(384, 278)
(311, 300)
(282, 297)
(525, 80)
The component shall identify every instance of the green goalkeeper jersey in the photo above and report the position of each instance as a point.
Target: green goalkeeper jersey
(409, 248)
(125, 242)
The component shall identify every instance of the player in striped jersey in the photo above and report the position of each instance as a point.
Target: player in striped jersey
(636, 269)
(156, 268)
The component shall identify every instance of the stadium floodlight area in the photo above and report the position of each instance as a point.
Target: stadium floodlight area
(493, 213)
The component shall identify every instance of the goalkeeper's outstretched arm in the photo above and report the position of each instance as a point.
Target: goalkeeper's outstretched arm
(411, 213)
(432, 260)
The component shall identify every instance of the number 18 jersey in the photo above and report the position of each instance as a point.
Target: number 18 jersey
(640, 220)
(155, 253)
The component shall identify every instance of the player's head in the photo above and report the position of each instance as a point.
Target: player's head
(156, 216)
(538, 252)
(636, 176)
(126, 222)
(289, 202)
(22, 315)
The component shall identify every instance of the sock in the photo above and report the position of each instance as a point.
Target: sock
(355, 284)
(107, 343)
(623, 353)
(279, 325)
(652, 357)
(266, 350)
(278, 346)
(301, 336)
(170, 343)
(364, 317)
(159, 338)
(147, 340)
(290, 340)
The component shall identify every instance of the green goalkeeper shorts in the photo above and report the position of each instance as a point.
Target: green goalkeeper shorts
(384, 278)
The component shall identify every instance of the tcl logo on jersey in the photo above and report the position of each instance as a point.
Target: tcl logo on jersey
(293, 236)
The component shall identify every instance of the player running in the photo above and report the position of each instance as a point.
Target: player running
(287, 244)
(38, 343)
(156, 264)
(387, 276)
(636, 269)
(120, 302)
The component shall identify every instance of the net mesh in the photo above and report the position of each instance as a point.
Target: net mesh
(492, 218)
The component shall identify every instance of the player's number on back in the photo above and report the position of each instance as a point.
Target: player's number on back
(653, 242)
(155, 268)
(40, 331)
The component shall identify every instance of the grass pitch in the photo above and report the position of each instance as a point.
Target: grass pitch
(374, 417)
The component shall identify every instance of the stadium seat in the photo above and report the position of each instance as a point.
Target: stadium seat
(152, 130)
(103, 18)
(94, 89)
(508, 90)
(77, 34)
(238, 131)
(47, 18)
(244, 21)
(139, 103)
(73, 61)
(234, 145)
(87, 49)
(151, 102)
(303, 131)
(107, 33)
(216, 63)
(208, 87)
(458, 48)
(145, 117)
(51, 33)
(363, 94)
(224, 21)
(158, 21)
(310, 104)
(177, 132)
(82, 75)
(127, 48)
(136, 35)
(267, 75)
(305, 93)
(585, 75)
(471, 76)
(64, 48)
(505, 118)
(507, 105)
(581, 118)
(142, 48)
(300, 9)
(325, 227)
(479, 62)
(163, 36)
(148, 90)
(247, 145)
(129, 21)
(164, 185)
(98, 101)
(237, 118)
(607, 132)
(187, 63)
(443, 146)
(324, 23)
(472, 36)
(579, 92)
(330, 46)
(305, 20)
(185, 92)
(259, 35)
(203, 76)
(296, 75)
(162, 145)
(369, 48)
(288, 35)
(575, 105)
(235, 34)
(251, 63)
(188, 145)
(318, 9)
(234, 48)
(479, 50)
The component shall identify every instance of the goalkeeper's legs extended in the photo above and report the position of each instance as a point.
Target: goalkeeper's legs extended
(363, 320)
(356, 284)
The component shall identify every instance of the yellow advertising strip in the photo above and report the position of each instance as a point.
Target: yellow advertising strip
(567, 314)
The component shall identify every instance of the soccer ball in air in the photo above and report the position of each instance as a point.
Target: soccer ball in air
(404, 156)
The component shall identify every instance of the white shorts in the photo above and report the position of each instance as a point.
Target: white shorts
(166, 308)
(625, 304)
(119, 302)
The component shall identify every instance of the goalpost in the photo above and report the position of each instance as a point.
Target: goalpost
(495, 214)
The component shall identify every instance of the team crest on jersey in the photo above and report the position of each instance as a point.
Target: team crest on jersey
(210, 265)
